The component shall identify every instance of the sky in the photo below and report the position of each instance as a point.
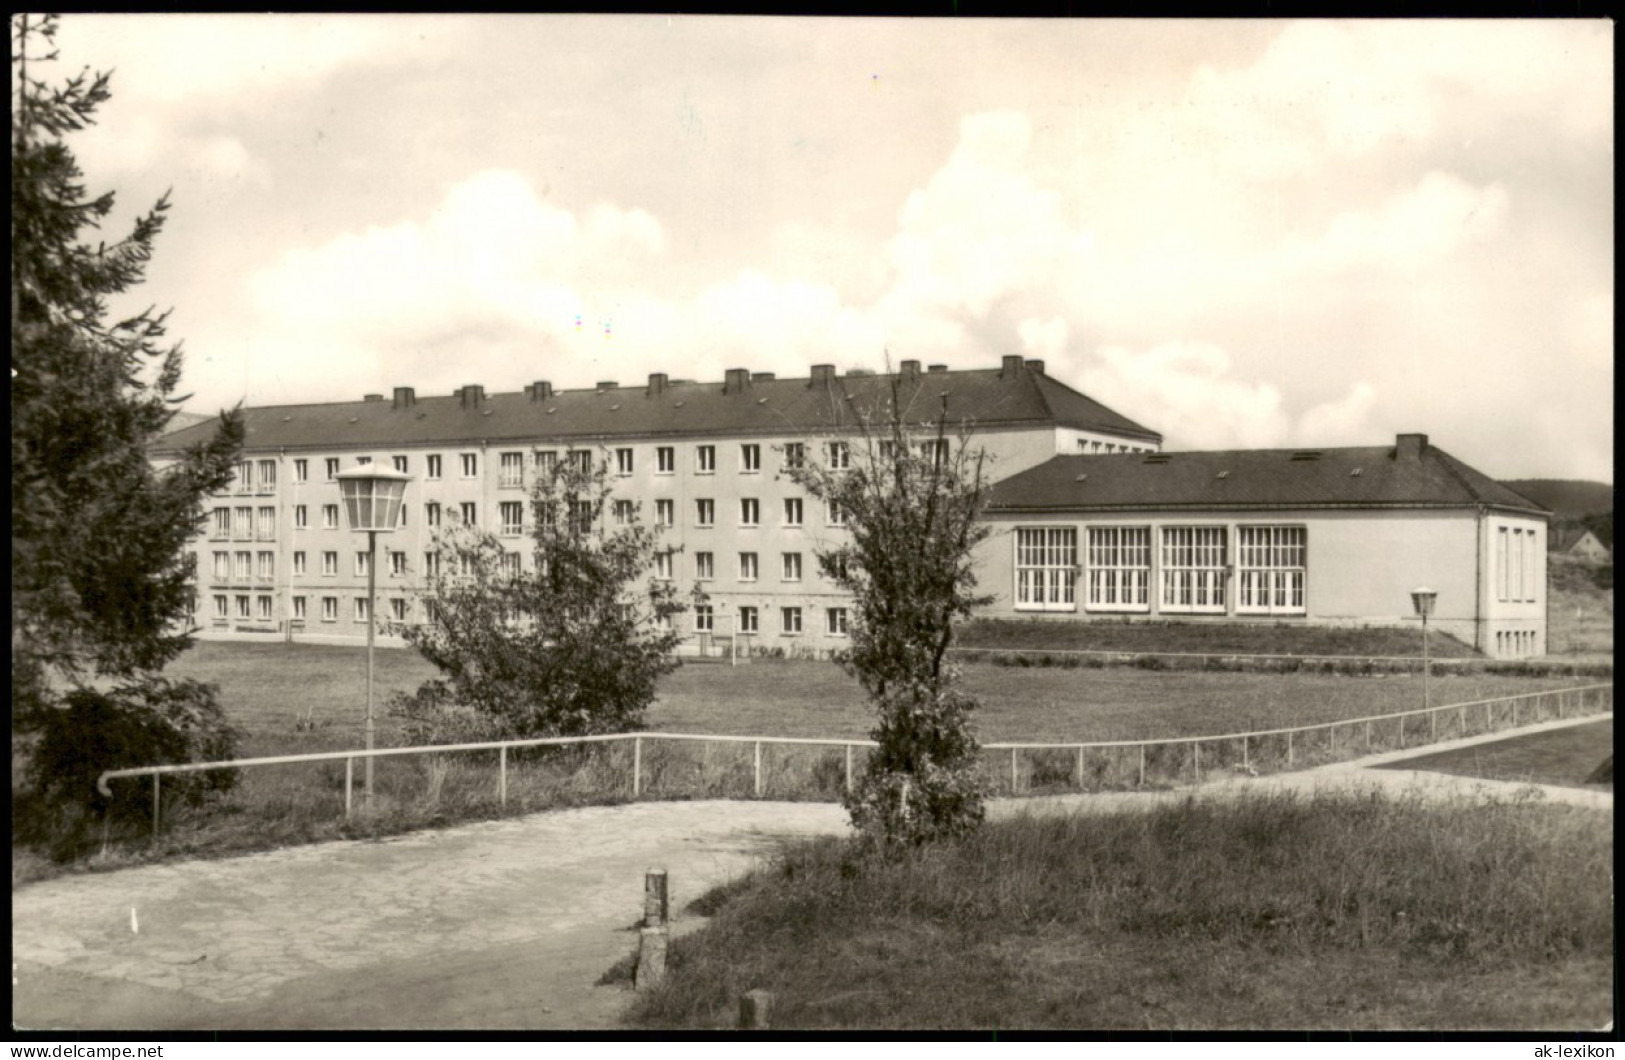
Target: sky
(1240, 234)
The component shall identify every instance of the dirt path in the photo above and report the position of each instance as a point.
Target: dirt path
(501, 924)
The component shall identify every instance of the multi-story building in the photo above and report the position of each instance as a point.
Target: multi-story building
(703, 460)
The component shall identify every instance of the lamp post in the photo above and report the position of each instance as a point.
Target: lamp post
(1422, 599)
(372, 502)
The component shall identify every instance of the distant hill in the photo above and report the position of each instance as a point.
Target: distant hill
(1573, 503)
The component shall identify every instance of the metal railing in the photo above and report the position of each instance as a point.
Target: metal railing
(1581, 701)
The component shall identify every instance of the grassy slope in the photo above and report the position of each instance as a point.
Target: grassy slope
(1559, 756)
(1338, 912)
(1110, 635)
(1567, 498)
(1582, 615)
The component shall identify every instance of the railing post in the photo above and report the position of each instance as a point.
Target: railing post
(1289, 750)
(637, 765)
(1368, 737)
(1402, 730)
(848, 767)
(349, 786)
(156, 804)
(1014, 785)
(1433, 726)
(502, 775)
(758, 769)
(1196, 763)
(1080, 767)
(1462, 729)
(1142, 765)
(1244, 762)
(1560, 698)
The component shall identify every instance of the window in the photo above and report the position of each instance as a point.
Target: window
(792, 511)
(299, 608)
(222, 566)
(546, 461)
(1270, 565)
(792, 566)
(242, 524)
(512, 564)
(511, 470)
(748, 622)
(363, 461)
(330, 517)
(266, 566)
(665, 460)
(263, 604)
(397, 564)
(431, 514)
(705, 512)
(299, 564)
(301, 517)
(835, 621)
(470, 512)
(1193, 559)
(705, 459)
(834, 514)
(330, 564)
(1046, 562)
(332, 464)
(623, 513)
(242, 566)
(265, 529)
(431, 564)
(267, 476)
(705, 567)
(1531, 571)
(361, 608)
(838, 455)
(623, 461)
(935, 450)
(471, 464)
(400, 515)
(301, 470)
(221, 530)
(838, 565)
(750, 512)
(360, 564)
(243, 607)
(665, 512)
(795, 454)
(888, 451)
(790, 620)
(1119, 568)
(747, 566)
(702, 618)
(244, 477)
(222, 607)
(663, 566)
(397, 609)
(433, 468)
(750, 458)
(513, 517)
(582, 460)
(399, 463)
(330, 609)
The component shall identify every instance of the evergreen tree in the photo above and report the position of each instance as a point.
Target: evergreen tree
(101, 579)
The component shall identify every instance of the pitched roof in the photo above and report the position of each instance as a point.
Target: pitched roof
(1398, 476)
(1013, 396)
(1566, 538)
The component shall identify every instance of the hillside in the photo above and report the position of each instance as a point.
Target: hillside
(1567, 498)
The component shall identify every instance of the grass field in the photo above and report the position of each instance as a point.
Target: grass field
(1197, 637)
(1581, 613)
(1328, 913)
(1559, 756)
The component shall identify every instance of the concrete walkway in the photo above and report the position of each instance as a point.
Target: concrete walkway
(503, 924)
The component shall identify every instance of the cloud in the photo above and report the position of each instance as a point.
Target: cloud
(1187, 392)
(1342, 422)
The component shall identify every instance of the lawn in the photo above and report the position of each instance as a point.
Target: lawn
(1328, 913)
(1197, 637)
(1564, 757)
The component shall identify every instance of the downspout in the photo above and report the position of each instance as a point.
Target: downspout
(1478, 583)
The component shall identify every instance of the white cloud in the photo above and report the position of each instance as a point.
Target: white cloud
(1346, 421)
(1187, 392)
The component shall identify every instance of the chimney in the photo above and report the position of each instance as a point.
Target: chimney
(607, 384)
(761, 377)
(737, 381)
(821, 375)
(657, 383)
(1409, 448)
(1036, 367)
(909, 368)
(471, 395)
(372, 397)
(1012, 367)
(541, 390)
(937, 368)
(405, 397)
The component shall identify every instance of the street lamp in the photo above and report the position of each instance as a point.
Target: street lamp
(372, 502)
(1422, 599)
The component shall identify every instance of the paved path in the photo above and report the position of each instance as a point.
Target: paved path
(502, 924)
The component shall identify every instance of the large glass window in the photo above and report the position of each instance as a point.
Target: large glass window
(1046, 561)
(1193, 559)
(1119, 568)
(1270, 567)
(511, 470)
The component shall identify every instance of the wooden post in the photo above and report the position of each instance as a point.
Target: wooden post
(637, 765)
(156, 803)
(656, 899)
(848, 767)
(1142, 765)
(1196, 763)
(1013, 777)
(651, 970)
(1244, 763)
(1289, 749)
(758, 769)
(1080, 767)
(349, 785)
(755, 1010)
(502, 776)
